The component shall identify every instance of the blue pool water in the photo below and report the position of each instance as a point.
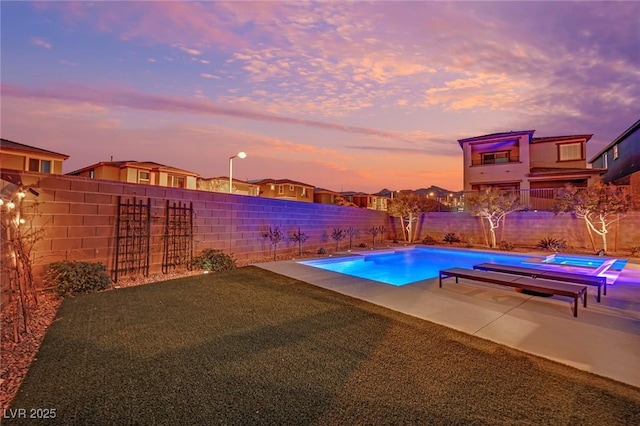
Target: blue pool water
(406, 266)
(583, 261)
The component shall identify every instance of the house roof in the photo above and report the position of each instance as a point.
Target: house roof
(278, 182)
(324, 190)
(496, 136)
(7, 144)
(148, 165)
(560, 138)
(634, 128)
(226, 178)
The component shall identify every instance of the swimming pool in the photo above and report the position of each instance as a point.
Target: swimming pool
(405, 266)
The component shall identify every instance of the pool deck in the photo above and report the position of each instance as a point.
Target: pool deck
(604, 339)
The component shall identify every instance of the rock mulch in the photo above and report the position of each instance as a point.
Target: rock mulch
(15, 358)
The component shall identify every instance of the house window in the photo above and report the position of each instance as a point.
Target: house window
(42, 166)
(495, 157)
(615, 152)
(92, 174)
(175, 181)
(144, 177)
(291, 188)
(303, 192)
(570, 151)
(281, 189)
(605, 160)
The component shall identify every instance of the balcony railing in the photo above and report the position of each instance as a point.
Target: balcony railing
(499, 160)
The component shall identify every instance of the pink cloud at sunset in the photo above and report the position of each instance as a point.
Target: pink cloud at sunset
(341, 95)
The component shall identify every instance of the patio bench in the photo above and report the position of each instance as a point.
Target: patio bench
(523, 283)
(546, 274)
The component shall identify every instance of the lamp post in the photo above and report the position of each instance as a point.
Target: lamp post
(240, 155)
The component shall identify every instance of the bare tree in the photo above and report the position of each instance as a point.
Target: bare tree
(299, 237)
(409, 207)
(338, 235)
(599, 205)
(492, 205)
(275, 235)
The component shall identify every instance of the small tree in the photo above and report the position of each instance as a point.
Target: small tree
(351, 232)
(373, 231)
(299, 237)
(492, 205)
(275, 235)
(338, 235)
(599, 205)
(408, 208)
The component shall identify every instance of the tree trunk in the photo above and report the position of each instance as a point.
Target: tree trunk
(593, 242)
(484, 231)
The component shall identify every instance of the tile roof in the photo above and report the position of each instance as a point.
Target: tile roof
(5, 143)
(150, 165)
(278, 182)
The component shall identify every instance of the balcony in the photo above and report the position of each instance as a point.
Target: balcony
(487, 160)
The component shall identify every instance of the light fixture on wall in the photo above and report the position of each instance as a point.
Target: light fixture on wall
(240, 155)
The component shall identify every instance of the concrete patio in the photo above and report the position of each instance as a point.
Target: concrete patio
(604, 339)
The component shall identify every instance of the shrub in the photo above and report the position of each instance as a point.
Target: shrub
(635, 251)
(451, 238)
(214, 260)
(469, 243)
(72, 278)
(429, 240)
(363, 245)
(552, 244)
(505, 246)
(321, 250)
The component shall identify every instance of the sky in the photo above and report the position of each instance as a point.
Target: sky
(346, 96)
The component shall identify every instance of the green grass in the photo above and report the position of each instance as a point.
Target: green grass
(252, 347)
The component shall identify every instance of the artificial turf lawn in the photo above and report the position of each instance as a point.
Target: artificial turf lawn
(252, 347)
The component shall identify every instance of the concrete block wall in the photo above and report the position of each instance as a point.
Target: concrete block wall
(79, 217)
(528, 228)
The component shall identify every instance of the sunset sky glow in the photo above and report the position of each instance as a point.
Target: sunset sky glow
(354, 96)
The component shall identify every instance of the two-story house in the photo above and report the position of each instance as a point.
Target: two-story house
(221, 184)
(325, 196)
(17, 156)
(144, 172)
(284, 189)
(366, 201)
(621, 159)
(519, 161)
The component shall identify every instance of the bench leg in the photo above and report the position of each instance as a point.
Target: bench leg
(584, 298)
(575, 306)
(599, 297)
(605, 286)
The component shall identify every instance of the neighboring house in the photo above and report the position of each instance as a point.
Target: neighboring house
(621, 158)
(17, 156)
(325, 196)
(285, 189)
(518, 161)
(145, 172)
(366, 201)
(221, 184)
